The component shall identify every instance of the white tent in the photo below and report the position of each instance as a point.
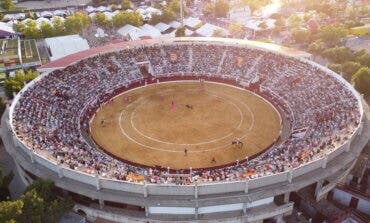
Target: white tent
(60, 13)
(64, 45)
(41, 20)
(5, 30)
(102, 9)
(174, 24)
(100, 33)
(207, 30)
(26, 21)
(54, 17)
(188, 32)
(109, 15)
(162, 26)
(149, 30)
(91, 15)
(136, 34)
(90, 9)
(192, 22)
(254, 23)
(125, 30)
(46, 14)
(20, 16)
(8, 17)
(170, 35)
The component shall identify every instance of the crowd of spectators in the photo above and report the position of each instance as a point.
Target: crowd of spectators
(51, 116)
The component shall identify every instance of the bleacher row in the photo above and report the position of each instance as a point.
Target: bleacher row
(50, 115)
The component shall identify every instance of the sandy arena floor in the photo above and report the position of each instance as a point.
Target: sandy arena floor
(154, 125)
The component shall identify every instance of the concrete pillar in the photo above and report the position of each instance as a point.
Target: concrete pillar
(196, 210)
(146, 211)
(101, 204)
(360, 128)
(145, 189)
(97, 182)
(60, 172)
(196, 213)
(286, 197)
(290, 176)
(348, 146)
(244, 208)
(318, 187)
(196, 190)
(324, 162)
(32, 156)
(279, 219)
(246, 188)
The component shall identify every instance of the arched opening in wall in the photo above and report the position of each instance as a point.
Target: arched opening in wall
(81, 212)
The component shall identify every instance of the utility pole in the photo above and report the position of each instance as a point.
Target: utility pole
(182, 13)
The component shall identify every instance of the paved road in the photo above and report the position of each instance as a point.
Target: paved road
(51, 4)
(7, 164)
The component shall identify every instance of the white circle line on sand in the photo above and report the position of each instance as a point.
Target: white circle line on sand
(188, 144)
(190, 151)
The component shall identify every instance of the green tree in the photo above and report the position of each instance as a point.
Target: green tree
(123, 18)
(349, 68)
(31, 31)
(58, 26)
(339, 54)
(221, 8)
(45, 189)
(53, 208)
(236, 30)
(5, 180)
(46, 30)
(33, 208)
(100, 19)
(262, 25)
(294, 21)
(77, 22)
(180, 32)
(7, 5)
(361, 79)
(364, 59)
(256, 4)
(19, 27)
(337, 68)
(317, 47)
(10, 211)
(301, 36)
(2, 109)
(29, 15)
(167, 15)
(208, 9)
(16, 83)
(331, 34)
(126, 4)
(218, 33)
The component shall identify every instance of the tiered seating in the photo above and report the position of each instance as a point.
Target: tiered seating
(47, 115)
